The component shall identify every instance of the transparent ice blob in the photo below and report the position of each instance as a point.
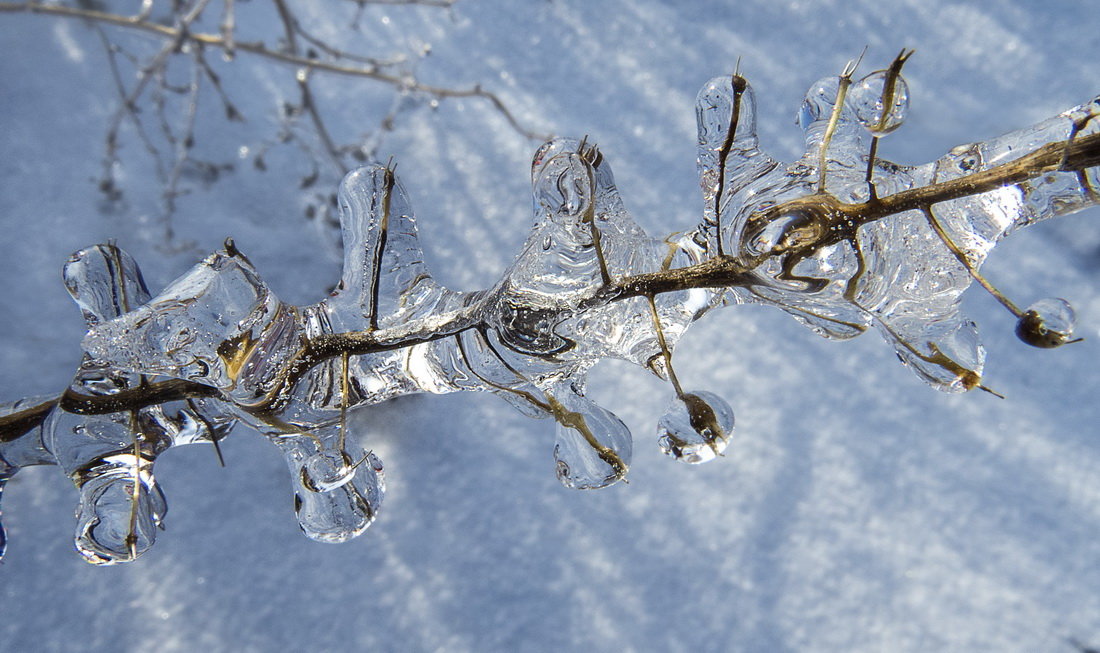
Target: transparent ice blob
(880, 106)
(334, 499)
(593, 446)
(696, 428)
(118, 515)
(327, 470)
(1047, 323)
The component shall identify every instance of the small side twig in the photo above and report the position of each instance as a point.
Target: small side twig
(260, 49)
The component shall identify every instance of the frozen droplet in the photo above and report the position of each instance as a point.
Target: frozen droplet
(696, 428)
(336, 501)
(1047, 323)
(725, 112)
(881, 107)
(818, 105)
(593, 446)
(105, 282)
(326, 471)
(384, 273)
(113, 524)
(564, 188)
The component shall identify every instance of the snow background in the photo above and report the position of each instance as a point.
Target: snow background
(856, 509)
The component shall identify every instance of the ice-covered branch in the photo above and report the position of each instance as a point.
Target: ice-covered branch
(840, 239)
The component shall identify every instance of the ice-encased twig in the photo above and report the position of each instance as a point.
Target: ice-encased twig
(857, 244)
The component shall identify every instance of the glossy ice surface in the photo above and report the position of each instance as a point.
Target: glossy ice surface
(854, 508)
(532, 338)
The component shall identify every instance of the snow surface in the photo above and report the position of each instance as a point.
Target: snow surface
(856, 509)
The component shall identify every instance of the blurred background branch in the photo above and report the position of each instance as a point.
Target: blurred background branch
(161, 84)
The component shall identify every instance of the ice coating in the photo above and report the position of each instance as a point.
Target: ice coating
(110, 457)
(1047, 323)
(755, 190)
(902, 275)
(880, 104)
(205, 327)
(843, 241)
(385, 282)
(593, 446)
(220, 325)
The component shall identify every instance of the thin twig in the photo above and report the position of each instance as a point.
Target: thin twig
(843, 82)
(309, 105)
(228, 27)
(423, 3)
(174, 33)
(124, 110)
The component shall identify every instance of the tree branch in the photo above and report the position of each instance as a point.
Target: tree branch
(220, 41)
(724, 271)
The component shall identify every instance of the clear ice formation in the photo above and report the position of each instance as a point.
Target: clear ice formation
(293, 372)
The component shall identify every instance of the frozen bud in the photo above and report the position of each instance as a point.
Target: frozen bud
(696, 428)
(880, 105)
(1047, 323)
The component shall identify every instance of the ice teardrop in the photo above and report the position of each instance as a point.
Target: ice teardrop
(593, 447)
(1047, 323)
(117, 522)
(696, 427)
(336, 501)
(880, 106)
